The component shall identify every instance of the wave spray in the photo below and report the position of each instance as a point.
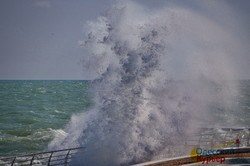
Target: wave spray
(157, 74)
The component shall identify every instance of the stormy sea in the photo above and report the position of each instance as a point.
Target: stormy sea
(157, 75)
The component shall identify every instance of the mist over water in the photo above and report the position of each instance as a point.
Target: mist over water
(157, 75)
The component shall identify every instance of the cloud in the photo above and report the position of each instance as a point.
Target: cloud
(43, 4)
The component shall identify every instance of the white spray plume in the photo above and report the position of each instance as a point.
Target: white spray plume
(158, 75)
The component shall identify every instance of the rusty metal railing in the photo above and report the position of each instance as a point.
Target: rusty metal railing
(51, 158)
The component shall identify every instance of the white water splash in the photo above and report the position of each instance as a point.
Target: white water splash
(140, 107)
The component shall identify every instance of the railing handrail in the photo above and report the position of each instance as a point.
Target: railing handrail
(39, 153)
(238, 153)
(55, 157)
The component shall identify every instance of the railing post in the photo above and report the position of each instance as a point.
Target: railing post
(225, 138)
(248, 138)
(199, 142)
(66, 158)
(13, 161)
(212, 141)
(31, 161)
(50, 158)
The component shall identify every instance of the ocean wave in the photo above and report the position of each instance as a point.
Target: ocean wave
(140, 106)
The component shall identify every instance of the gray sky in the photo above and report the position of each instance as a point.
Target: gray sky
(39, 38)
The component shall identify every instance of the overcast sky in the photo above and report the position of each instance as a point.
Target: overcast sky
(39, 38)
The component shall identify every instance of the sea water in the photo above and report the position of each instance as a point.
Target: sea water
(35, 112)
(32, 113)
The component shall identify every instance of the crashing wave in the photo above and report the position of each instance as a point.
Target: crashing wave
(140, 108)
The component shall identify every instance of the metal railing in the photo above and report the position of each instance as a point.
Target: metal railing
(211, 138)
(51, 158)
(207, 137)
(241, 153)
